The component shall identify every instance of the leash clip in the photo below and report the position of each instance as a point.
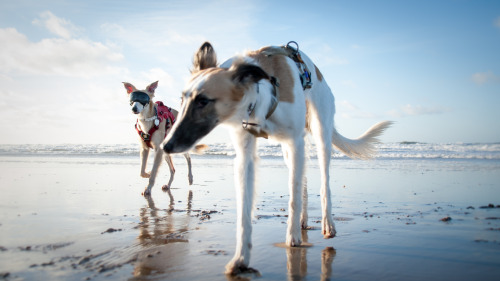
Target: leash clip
(305, 74)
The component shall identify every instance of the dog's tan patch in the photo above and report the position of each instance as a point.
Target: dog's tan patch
(274, 63)
(318, 73)
(204, 72)
(219, 86)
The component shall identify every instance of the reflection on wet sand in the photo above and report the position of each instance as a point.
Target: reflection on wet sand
(297, 261)
(164, 248)
(163, 237)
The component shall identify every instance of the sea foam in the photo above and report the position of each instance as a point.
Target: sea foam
(400, 150)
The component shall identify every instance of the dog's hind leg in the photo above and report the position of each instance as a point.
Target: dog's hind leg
(303, 216)
(245, 145)
(327, 225)
(295, 161)
(168, 159)
(190, 173)
(322, 134)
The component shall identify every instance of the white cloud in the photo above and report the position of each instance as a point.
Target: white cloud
(348, 110)
(166, 82)
(68, 57)
(156, 74)
(485, 77)
(416, 110)
(324, 55)
(185, 26)
(57, 26)
(152, 39)
(174, 37)
(347, 105)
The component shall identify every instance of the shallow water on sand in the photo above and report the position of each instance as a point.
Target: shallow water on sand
(78, 218)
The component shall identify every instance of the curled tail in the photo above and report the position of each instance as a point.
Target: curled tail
(362, 147)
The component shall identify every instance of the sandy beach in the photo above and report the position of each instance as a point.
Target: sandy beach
(73, 217)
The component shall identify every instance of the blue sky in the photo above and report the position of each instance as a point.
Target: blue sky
(433, 67)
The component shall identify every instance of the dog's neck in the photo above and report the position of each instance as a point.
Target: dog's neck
(147, 116)
(259, 105)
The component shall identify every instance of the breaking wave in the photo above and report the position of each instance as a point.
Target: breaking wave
(400, 150)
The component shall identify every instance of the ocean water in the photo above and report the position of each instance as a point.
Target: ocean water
(392, 151)
(59, 201)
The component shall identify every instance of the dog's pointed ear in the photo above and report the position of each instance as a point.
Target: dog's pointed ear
(248, 73)
(152, 87)
(204, 58)
(129, 87)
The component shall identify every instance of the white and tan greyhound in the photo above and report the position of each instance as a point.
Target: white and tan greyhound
(276, 93)
(154, 121)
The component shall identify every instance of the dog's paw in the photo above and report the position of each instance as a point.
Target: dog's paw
(293, 241)
(166, 187)
(190, 179)
(146, 175)
(303, 224)
(146, 192)
(236, 268)
(328, 229)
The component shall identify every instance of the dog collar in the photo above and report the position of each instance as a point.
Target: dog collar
(250, 127)
(275, 97)
(152, 118)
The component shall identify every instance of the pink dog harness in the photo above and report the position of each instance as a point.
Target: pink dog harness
(162, 112)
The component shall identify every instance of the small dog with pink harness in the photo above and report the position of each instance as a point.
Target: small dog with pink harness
(154, 121)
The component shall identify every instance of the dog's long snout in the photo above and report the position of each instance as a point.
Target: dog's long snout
(178, 142)
(168, 147)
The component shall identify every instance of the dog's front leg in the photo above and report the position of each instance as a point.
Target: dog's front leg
(294, 158)
(190, 173)
(245, 181)
(144, 161)
(154, 170)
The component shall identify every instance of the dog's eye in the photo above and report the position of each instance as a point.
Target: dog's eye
(202, 101)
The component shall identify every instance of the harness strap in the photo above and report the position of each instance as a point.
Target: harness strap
(294, 54)
(161, 112)
(146, 137)
(305, 78)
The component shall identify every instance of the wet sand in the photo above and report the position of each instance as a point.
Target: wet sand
(83, 218)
